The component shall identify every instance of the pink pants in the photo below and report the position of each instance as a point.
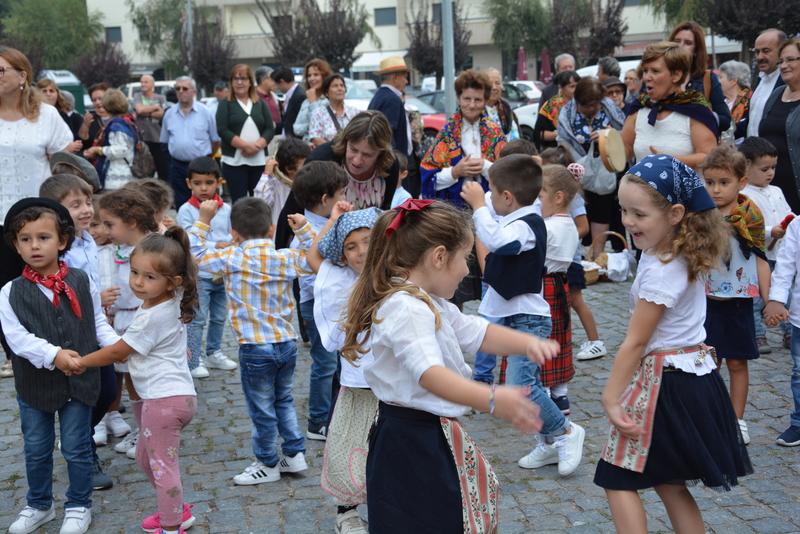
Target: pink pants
(160, 423)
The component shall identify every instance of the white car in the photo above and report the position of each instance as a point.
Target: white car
(624, 67)
(526, 115)
(529, 88)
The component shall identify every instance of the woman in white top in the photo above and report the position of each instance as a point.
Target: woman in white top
(328, 119)
(665, 119)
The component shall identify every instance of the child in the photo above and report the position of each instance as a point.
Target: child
(128, 216)
(730, 326)
(160, 196)
(279, 174)
(49, 314)
(257, 280)
(672, 421)
(560, 155)
(337, 256)
(417, 256)
(204, 180)
(318, 186)
(519, 146)
(559, 188)
(400, 194)
(762, 158)
(514, 269)
(163, 274)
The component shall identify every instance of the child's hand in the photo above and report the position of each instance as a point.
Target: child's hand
(778, 231)
(624, 423)
(774, 312)
(208, 208)
(341, 207)
(296, 221)
(269, 168)
(167, 221)
(473, 194)
(513, 405)
(65, 361)
(109, 296)
(541, 350)
(222, 244)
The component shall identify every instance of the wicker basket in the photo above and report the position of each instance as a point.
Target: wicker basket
(588, 252)
(592, 276)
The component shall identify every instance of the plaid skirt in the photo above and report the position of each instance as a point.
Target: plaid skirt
(555, 290)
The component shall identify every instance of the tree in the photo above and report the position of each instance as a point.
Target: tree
(160, 26)
(571, 21)
(63, 29)
(33, 51)
(212, 53)
(425, 40)
(291, 39)
(675, 11)
(106, 62)
(518, 23)
(607, 28)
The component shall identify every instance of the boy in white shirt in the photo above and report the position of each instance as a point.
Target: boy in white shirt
(514, 269)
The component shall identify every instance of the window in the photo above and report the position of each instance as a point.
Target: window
(437, 13)
(114, 35)
(386, 16)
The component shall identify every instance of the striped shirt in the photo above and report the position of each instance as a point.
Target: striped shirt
(258, 280)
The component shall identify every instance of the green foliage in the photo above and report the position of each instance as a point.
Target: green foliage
(425, 39)
(571, 21)
(160, 27)
(63, 29)
(676, 11)
(518, 23)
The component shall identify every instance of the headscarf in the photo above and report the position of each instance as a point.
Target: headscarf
(552, 108)
(741, 105)
(691, 103)
(331, 246)
(748, 221)
(675, 180)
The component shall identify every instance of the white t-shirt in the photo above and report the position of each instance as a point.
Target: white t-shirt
(250, 134)
(405, 344)
(562, 239)
(682, 323)
(772, 203)
(332, 289)
(159, 367)
(576, 208)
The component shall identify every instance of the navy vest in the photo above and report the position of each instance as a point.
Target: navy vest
(513, 274)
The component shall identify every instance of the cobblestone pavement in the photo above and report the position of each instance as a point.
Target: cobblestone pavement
(216, 446)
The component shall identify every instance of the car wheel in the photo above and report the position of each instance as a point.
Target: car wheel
(527, 132)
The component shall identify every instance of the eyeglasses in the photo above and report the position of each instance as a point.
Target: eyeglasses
(4, 69)
(786, 60)
(182, 89)
(614, 92)
(241, 79)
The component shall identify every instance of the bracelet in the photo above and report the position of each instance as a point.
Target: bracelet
(101, 151)
(491, 399)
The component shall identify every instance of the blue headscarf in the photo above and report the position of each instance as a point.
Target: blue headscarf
(678, 182)
(332, 244)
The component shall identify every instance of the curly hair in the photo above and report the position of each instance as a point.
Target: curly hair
(473, 79)
(64, 227)
(324, 69)
(131, 206)
(374, 127)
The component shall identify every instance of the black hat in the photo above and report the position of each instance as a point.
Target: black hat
(33, 202)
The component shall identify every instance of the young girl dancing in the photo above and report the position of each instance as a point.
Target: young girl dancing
(559, 188)
(164, 276)
(424, 474)
(662, 395)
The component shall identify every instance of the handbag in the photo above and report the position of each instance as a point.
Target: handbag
(596, 177)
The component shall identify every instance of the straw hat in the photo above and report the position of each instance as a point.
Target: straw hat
(391, 65)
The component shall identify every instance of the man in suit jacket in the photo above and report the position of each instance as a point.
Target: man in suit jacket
(293, 98)
(389, 101)
(769, 76)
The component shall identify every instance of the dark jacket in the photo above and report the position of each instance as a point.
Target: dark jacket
(548, 92)
(292, 110)
(231, 118)
(792, 131)
(716, 98)
(388, 103)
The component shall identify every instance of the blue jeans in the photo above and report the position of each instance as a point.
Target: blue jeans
(758, 307)
(323, 366)
(485, 362)
(796, 375)
(267, 377)
(523, 372)
(212, 305)
(39, 436)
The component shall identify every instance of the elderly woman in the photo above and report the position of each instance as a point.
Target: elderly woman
(499, 111)
(53, 96)
(544, 133)
(780, 124)
(690, 36)
(328, 119)
(315, 72)
(665, 119)
(93, 121)
(115, 146)
(579, 126)
(734, 76)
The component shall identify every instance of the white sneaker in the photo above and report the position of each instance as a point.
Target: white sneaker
(591, 350)
(570, 450)
(76, 520)
(258, 473)
(100, 435)
(543, 454)
(743, 430)
(293, 464)
(30, 519)
(129, 441)
(117, 425)
(200, 371)
(219, 361)
(349, 523)
(131, 453)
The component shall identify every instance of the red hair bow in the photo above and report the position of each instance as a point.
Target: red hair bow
(412, 204)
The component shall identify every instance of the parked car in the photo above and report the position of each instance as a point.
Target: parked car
(526, 115)
(161, 88)
(531, 90)
(511, 94)
(624, 66)
(369, 85)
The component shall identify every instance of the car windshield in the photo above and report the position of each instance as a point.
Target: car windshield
(422, 107)
(356, 91)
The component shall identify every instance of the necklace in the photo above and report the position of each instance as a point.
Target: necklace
(474, 132)
(789, 97)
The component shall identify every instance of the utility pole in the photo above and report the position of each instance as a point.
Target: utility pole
(449, 58)
(189, 40)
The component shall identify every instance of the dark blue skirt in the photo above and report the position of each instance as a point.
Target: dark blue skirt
(731, 328)
(576, 276)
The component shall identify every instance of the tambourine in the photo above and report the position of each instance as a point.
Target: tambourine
(612, 151)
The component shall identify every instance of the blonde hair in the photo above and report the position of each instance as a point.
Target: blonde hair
(701, 236)
(391, 259)
(61, 102)
(557, 178)
(30, 98)
(115, 103)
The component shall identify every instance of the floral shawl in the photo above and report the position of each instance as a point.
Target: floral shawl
(118, 123)
(740, 105)
(748, 222)
(552, 108)
(446, 152)
(690, 103)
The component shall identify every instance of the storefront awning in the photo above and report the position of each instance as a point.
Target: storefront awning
(371, 61)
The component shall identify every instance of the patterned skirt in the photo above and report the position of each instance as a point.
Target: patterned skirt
(555, 290)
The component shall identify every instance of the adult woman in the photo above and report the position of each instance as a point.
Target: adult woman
(315, 72)
(690, 36)
(544, 134)
(245, 126)
(734, 76)
(615, 90)
(666, 119)
(52, 95)
(780, 124)
(579, 125)
(328, 119)
(499, 111)
(114, 146)
(30, 130)
(93, 121)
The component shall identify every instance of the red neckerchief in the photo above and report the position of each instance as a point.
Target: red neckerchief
(56, 284)
(194, 201)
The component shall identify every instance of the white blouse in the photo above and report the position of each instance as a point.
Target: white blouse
(671, 135)
(250, 134)
(405, 344)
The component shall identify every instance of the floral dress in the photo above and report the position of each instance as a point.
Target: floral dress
(322, 125)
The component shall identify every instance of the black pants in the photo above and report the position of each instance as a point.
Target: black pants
(242, 179)
(178, 172)
(108, 394)
(161, 159)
